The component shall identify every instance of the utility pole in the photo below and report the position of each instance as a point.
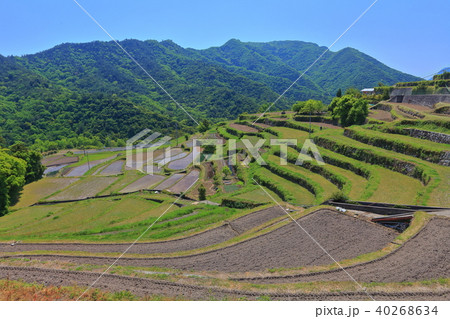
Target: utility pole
(176, 125)
(87, 156)
(310, 123)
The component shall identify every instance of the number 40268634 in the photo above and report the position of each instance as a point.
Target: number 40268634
(407, 310)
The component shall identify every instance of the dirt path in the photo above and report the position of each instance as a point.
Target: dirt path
(286, 247)
(204, 239)
(145, 287)
(425, 256)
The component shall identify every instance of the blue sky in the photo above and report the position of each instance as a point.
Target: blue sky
(409, 35)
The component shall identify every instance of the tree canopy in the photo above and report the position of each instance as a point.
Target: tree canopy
(349, 110)
(12, 179)
(307, 107)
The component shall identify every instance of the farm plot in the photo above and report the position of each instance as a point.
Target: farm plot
(88, 187)
(243, 128)
(82, 169)
(59, 160)
(53, 169)
(169, 182)
(182, 163)
(381, 115)
(285, 247)
(165, 160)
(262, 125)
(184, 184)
(143, 183)
(35, 191)
(423, 257)
(112, 169)
(91, 216)
(206, 238)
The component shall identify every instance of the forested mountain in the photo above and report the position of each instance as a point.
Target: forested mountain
(287, 59)
(34, 109)
(94, 90)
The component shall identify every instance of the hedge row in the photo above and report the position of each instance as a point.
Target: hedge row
(273, 186)
(439, 83)
(337, 180)
(358, 170)
(239, 203)
(411, 112)
(224, 133)
(444, 124)
(271, 131)
(370, 157)
(316, 119)
(294, 177)
(395, 145)
(293, 125)
(240, 134)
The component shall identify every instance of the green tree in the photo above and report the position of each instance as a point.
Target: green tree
(204, 126)
(349, 110)
(34, 168)
(201, 192)
(307, 107)
(12, 179)
(353, 92)
(339, 93)
(226, 171)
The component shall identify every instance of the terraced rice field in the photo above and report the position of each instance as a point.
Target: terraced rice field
(114, 168)
(184, 184)
(169, 182)
(57, 160)
(68, 219)
(301, 195)
(145, 182)
(327, 186)
(206, 238)
(381, 115)
(392, 186)
(83, 169)
(243, 128)
(87, 187)
(34, 192)
(182, 163)
(287, 247)
(164, 161)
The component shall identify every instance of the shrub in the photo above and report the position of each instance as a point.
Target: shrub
(201, 192)
(339, 197)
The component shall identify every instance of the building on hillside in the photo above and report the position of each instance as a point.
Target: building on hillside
(369, 91)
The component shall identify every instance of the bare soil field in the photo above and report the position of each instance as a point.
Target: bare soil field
(87, 187)
(263, 125)
(185, 183)
(58, 160)
(425, 256)
(381, 115)
(203, 239)
(286, 247)
(169, 182)
(143, 287)
(143, 183)
(243, 128)
(417, 107)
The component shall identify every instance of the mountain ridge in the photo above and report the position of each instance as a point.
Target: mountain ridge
(217, 83)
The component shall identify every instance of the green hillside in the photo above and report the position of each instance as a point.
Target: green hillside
(92, 94)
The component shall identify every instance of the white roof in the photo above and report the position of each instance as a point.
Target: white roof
(368, 90)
